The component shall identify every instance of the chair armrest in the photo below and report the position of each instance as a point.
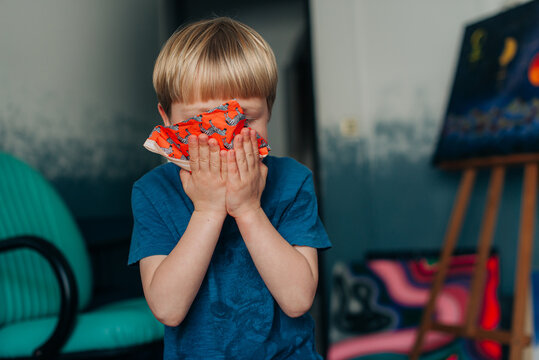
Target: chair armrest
(68, 290)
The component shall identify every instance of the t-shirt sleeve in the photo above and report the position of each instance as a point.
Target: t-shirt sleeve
(300, 223)
(151, 235)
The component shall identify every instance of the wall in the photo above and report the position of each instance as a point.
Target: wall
(76, 99)
(383, 71)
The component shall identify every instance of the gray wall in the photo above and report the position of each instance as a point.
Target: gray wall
(76, 99)
(383, 71)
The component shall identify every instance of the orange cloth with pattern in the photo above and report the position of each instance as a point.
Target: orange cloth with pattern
(222, 123)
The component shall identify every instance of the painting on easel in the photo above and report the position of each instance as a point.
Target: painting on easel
(494, 105)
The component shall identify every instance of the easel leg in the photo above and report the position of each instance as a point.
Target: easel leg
(483, 248)
(522, 275)
(452, 234)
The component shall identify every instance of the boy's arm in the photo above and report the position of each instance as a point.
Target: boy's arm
(289, 272)
(171, 282)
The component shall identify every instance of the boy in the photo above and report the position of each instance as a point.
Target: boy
(228, 251)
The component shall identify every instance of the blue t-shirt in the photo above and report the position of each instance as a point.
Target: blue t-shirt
(233, 316)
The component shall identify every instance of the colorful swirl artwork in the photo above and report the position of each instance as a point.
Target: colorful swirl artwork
(376, 307)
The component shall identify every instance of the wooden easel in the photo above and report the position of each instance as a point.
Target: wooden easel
(515, 338)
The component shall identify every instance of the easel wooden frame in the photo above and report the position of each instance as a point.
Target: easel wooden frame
(515, 338)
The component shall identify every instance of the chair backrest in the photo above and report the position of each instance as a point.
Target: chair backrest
(30, 206)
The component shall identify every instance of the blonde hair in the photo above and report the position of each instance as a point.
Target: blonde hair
(214, 59)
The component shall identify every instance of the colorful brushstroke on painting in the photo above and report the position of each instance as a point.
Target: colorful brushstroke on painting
(376, 307)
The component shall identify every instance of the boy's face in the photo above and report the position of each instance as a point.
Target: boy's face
(255, 109)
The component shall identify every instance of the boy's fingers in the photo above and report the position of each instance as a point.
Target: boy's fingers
(193, 152)
(215, 158)
(184, 176)
(241, 161)
(203, 152)
(254, 142)
(263, 170)
(232, 173)
(224, 167)
(248, 149)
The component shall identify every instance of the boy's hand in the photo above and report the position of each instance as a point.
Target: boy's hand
(206, 183)
(246, 175)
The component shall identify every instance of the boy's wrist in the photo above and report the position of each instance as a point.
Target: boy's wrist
(210, 215)
(250, 216)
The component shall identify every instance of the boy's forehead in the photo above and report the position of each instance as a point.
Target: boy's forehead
(200, 106)
(255, 104)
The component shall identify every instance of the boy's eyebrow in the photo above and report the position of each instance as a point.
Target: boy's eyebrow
(199, 110)
(253, 111)
(248, 109)
(204, 108)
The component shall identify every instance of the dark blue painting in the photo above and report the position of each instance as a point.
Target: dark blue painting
(494, 103)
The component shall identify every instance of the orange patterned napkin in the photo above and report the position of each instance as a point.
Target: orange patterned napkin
(222, 123)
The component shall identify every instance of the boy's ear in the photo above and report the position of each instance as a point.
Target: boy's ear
(163, 114)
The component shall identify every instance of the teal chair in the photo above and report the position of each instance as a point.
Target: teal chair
(46, 282)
